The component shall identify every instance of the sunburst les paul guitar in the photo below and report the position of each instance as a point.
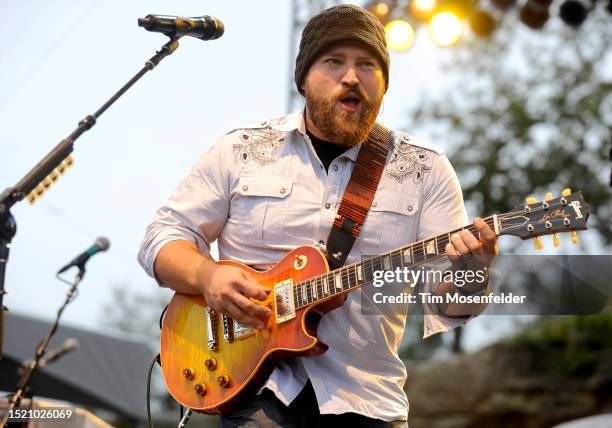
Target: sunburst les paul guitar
(211, 362)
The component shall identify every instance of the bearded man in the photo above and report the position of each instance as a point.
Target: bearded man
(263, 191)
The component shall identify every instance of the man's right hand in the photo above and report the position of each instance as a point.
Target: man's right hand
(229, 290)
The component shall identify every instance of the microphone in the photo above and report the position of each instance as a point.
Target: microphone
(202, 27)
(101, 244)
(69, 344)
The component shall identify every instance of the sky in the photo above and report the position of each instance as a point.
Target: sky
(64, 59)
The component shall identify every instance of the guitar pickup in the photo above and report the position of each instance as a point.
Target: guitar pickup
(283, 301)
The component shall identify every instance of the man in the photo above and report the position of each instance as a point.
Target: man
(265, 190)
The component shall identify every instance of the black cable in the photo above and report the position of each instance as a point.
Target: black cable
(158, 361)
(161, 317)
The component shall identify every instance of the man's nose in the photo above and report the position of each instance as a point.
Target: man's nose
(350, 76)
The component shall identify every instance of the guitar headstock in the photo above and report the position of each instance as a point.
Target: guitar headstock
(567, 213)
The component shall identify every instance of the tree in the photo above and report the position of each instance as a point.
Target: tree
(527, 112)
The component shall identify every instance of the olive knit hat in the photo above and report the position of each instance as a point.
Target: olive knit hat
(342, 22)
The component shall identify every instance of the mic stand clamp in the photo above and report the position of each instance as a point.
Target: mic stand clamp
(34, 365)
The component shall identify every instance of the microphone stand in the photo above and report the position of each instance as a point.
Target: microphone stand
(32, 367)
(37, 180)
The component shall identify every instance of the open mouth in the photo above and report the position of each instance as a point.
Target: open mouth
(350, 102)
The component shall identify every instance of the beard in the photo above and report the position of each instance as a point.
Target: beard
(339, 126)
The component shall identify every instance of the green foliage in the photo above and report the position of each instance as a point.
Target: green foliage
(529, 112)
(573, 345)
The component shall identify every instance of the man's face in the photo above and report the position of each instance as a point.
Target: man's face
(344, 89)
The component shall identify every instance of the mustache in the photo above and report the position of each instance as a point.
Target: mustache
(353, 90)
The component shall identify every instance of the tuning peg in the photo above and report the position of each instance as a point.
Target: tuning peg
(556, 241)
(538, 243)
(548, 196)
(574, 237)
(531, 200)
(566, 192)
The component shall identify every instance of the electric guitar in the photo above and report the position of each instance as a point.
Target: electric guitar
(211, 362)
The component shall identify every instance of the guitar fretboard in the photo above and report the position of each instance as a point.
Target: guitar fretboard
(362, 273)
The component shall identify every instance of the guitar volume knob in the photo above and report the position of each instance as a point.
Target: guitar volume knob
(200, 389)
(211, 363)
(189, 373)
(223, 381)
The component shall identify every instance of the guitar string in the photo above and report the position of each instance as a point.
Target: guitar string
(419, 246)
(344, 271)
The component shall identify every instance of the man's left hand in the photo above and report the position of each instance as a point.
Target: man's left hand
(466, 250)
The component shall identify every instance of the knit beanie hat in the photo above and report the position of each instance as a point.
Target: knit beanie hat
(342, 22)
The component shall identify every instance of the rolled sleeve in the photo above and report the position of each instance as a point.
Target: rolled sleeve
(196, 211)
(439, 323)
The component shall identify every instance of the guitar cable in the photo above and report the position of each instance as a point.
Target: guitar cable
(157, 360)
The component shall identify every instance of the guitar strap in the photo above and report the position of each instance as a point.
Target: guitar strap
(358, 196)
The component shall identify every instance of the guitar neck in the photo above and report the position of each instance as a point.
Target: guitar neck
(358, 274)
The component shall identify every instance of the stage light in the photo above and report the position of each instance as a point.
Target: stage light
(400, 35)
(482, 23)
(379, 9)
(422, 10)
(503, 4)
(460, 8)
(534, 14)
(445, 29)
(574, 12)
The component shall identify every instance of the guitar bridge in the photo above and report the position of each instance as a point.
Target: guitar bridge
(233, 329)
(228, 328)
(212, 320)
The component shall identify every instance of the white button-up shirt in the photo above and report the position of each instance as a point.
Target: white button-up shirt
(262, 191)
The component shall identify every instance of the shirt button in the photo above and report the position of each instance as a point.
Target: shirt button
(245, 188)
(327, 205)
(409, 207)
(374, 204)
(335, 167)
(283, 190)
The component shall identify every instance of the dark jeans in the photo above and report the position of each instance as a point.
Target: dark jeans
(267, 411)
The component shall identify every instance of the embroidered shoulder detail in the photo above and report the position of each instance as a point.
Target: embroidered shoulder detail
(409, 161)
(276, 121)
(257, 145)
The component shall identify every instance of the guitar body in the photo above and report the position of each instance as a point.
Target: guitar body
(247, 361)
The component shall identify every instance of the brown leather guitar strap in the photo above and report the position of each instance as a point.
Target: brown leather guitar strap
(358, 195)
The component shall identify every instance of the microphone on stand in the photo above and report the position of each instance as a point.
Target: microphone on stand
(202, 27)
(101, 244)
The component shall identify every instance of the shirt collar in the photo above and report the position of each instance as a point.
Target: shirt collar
(297, 122)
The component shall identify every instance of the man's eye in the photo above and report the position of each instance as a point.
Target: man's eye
(332, 61)
(368, 64)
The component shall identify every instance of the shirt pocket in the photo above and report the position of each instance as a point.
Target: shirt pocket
(259, 207)
(390, 223)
